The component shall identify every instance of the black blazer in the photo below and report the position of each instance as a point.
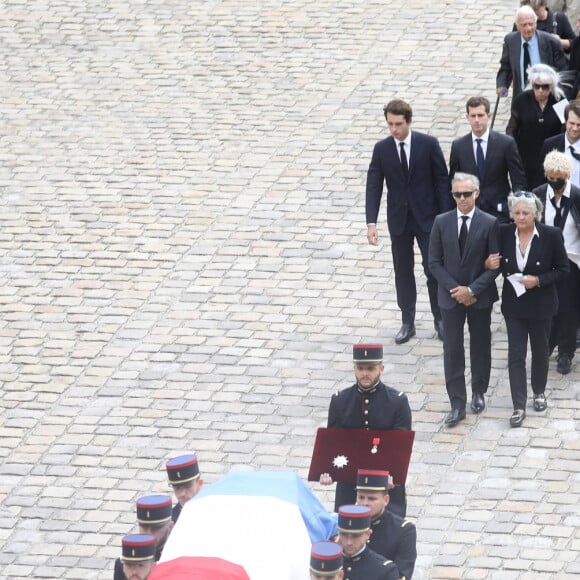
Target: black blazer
(502, 161)
(556, 143)
(451, 269)
(551, 53)
(547, 260)
(426, 192)
(574, 211)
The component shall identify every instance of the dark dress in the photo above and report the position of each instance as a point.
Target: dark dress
(530, 127)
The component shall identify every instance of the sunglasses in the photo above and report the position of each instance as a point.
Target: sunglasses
(537, 87)
(458, 194)
(527, 194)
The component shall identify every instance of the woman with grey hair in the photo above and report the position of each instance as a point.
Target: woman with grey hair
(532, 260)
(533, 119)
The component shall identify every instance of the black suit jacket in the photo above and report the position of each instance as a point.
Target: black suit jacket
(547, 260)
(451, 269)
(425, 193)
(551, 53)
(574, 210)
(556, 143)
(504, 171)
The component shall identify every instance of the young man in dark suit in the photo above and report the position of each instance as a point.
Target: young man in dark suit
(461, 240)
(412, 166)
(491, 156)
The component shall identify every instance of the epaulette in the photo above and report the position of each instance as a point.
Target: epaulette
(400, 394)
(405, 522)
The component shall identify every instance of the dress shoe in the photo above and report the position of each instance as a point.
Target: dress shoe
(406, 332)
(454, 417)
(477, 403)
(564, 364)
(439, 328)
(517, 418)
(540, 402)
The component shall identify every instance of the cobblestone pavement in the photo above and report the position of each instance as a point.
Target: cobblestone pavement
(183, 266)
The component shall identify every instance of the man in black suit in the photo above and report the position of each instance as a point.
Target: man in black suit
(561, 209)
(412, 166)
(460, 242)
(491, 156)
(524, 48)
(568, 142)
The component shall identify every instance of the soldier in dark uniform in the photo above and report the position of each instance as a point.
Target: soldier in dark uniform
(326, 561)
(153, 517)
(368, 404)
(184, 477)
(392, 537)
(138, 556)
(360, 562)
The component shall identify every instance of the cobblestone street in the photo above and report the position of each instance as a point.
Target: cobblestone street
(184, 267)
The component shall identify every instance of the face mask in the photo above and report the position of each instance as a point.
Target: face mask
(557, 184)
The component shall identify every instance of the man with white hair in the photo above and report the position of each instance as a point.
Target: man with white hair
(524, 48)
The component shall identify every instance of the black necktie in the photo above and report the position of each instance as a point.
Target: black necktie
(573, 153)
(527, 63)
(480, 158)
(463, 234)
(404, 163)
(558, 217)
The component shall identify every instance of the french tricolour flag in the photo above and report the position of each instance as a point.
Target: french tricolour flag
(254, 525)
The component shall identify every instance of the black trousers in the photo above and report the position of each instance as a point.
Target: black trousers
(479, 324)
(518, 331)
(404, 266)
(563, 334)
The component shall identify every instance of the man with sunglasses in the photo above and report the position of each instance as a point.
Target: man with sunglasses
(460, 241)
(491, 156)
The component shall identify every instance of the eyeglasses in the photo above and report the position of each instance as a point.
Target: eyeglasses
(537, 87)
(527, 194)
(458, 194)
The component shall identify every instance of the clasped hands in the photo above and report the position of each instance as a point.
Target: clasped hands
(462, 295)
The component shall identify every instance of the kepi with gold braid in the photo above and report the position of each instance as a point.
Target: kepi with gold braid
(372, 480)
(354, 519)
(325, 558)
(154, 510)
(182, 469)
(138, 548)
(367, 354)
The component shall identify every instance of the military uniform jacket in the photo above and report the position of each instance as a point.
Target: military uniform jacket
(368, 565)
(176, 512)
(380, 407)
(395, 539)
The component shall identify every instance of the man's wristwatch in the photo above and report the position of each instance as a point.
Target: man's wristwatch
(470, 291)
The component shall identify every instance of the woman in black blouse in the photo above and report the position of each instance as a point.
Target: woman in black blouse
(533, 119)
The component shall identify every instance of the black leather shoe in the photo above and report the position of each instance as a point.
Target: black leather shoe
(517, 418)
(540, 403)
(564, 364)
(406, 332)
(439, 328)
(454, 417)
(477, 403)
